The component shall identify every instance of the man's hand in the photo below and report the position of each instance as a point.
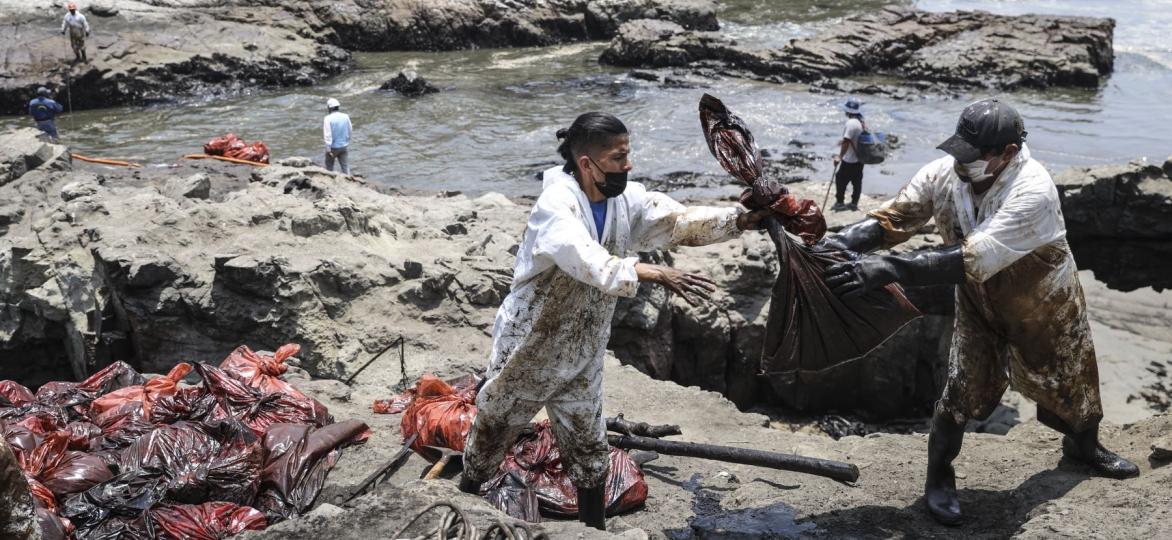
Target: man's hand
(836, 159)
(855, 278)
(754, 220)
(692, 287)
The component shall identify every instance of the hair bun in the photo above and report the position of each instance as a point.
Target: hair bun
(561, 133)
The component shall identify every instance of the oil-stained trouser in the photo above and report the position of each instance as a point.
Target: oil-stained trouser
(573, 317)
(1025, 327)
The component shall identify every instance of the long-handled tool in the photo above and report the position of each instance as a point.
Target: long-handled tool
(837, 470)
(833, 176)
(384, 472)
(446, 455)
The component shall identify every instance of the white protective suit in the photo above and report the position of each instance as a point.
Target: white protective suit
(551, 332)
(1020, 314)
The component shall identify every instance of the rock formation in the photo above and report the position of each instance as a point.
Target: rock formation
(409, 84)
(159, 50)
(971, 49)
(1119, 222)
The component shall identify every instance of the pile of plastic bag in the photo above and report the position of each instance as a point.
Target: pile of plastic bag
(531, 480)
(234, 147)
(118, 456)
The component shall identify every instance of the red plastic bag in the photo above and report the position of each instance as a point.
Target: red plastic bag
(232, 146)
(299, 457)
(207, 521)
(259, 371)
(15, 394)
(441, 414)
(122, 425)
(146, 393)
(219, 145)
(83, 436)
(257, 152)
(194, 404)
(76, 397)
(61, 470)
(42, 419)
(258, 410)
(535, 458)
(399, 403)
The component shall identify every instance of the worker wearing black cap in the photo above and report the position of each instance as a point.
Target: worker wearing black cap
(1020, 313)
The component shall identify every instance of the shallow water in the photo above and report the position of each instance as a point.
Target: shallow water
(492, 125)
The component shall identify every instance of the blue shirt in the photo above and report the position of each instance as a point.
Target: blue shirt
(599, 211)
(336, 130)
(44, 109)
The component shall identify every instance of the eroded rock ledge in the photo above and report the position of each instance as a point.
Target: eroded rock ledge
(963, 48)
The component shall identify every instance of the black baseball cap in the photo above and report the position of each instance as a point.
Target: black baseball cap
(988, 123)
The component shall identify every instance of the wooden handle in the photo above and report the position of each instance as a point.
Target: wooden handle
(438, 467)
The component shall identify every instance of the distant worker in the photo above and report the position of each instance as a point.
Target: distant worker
(44, 111)
(850, 168)
(78, 29)
(336, 131)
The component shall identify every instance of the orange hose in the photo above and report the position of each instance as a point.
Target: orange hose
(116, 162)
(228, 159)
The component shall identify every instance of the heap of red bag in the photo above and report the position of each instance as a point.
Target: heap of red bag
(118, 456)
(531, 480)
(234, 147)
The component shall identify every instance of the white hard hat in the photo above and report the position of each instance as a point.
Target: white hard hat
(332, 103)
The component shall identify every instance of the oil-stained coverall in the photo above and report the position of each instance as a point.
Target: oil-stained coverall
(1020, 314)
(551, 331)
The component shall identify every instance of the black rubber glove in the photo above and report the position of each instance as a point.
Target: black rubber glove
(862, 237)
(927, 267)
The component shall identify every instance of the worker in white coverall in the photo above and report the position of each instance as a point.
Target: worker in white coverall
(1020, 314)
(577, 258)
(78, 29)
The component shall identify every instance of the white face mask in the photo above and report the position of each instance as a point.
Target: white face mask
(975, 171)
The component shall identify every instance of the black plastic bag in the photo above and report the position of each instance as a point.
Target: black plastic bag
(298, 459)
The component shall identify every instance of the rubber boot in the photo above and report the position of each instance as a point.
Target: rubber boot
(592, 507)
(1085, 447)
(83, 58)
(940, 487)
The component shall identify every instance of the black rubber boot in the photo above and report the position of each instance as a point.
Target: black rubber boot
(940, 486)
(1085, 447)
(592, 507)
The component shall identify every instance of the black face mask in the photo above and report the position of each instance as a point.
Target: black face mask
(616, 182)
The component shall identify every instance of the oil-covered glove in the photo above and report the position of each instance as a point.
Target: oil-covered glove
(927, 267)
(862, 237)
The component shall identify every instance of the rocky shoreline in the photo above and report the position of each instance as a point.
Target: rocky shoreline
(966, 49)
(143, 52)
(216, 256)
(167, 265)
(168, 49)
